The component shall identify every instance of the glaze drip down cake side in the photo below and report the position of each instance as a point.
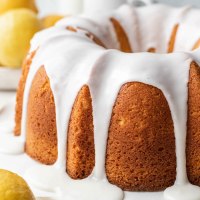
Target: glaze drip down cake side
(115, 98)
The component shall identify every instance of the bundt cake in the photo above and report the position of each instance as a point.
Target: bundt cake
(104, 99)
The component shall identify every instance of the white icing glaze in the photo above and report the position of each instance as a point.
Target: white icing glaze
(101, 27)
(187, 34)
(105, 71)
(160, 23)
(182, 192)
(66, 187)
(123, 16)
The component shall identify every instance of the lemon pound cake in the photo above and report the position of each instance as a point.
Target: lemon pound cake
(112, 101)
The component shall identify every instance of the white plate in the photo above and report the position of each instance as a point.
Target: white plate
(9, 78)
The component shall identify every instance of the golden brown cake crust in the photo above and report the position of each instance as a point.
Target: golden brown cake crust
(80, 146)
(122, 37)
(151, 50)
(141, 143)
(41, 137)
(196, 45)
(173, 39)
(20, 93)
(193, 125)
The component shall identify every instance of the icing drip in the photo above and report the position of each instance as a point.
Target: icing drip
(182, 189)
(105, 72)
(182, 192)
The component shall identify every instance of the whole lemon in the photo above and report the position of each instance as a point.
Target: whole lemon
(13, 187)
(50, 20)
(17, 27)
(6, 5)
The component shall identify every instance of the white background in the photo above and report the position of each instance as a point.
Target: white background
(56, 6)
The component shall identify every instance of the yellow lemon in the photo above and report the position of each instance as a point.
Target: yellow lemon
(6, 5)
(17, 27)
(50, 20)
(13, 187)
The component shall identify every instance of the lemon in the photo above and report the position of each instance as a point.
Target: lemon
(17, 27)
(50, 20)
(6, 5)
(13, 187)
